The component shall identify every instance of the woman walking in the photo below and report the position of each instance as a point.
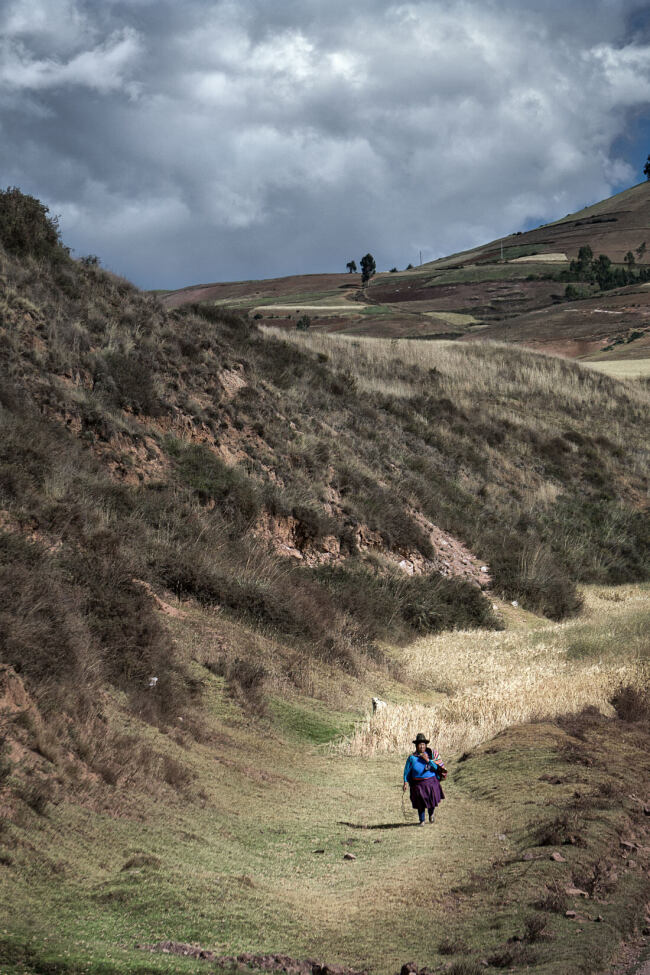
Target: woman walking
(422, 772)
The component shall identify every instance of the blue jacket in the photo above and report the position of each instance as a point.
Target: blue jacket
(419, 767)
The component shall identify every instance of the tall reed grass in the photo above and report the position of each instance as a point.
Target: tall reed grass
(488, 681)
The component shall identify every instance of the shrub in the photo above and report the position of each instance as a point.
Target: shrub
(37, 794)
(25, 227)
(238, 496)
(433, 603)
(6, 765)
(561, 831)
(289, 602)
(71, 619)
(555, 900)
(128, 381)
(41, 627)
(175, 773)
(246, 679)
(631, 703)
(209, 313)
(534, 928)
(527, 570)
(389, 603)
(120, 616)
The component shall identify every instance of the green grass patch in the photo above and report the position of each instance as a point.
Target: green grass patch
(316, 724)
(523, 250)
(477, 273)
(594, 642)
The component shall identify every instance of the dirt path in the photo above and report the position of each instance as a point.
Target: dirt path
(351, 306)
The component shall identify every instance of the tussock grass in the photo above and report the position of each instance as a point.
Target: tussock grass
(490, 681)
(490, 371)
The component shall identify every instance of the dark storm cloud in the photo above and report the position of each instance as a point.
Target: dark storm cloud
(205, 141)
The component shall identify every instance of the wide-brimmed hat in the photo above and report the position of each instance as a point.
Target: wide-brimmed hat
(420, 737)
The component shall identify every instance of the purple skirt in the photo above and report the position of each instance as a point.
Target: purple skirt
(426, 794)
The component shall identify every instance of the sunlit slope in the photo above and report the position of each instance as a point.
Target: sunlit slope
(613, 226)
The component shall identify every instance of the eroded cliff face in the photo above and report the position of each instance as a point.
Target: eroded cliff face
(451, 558)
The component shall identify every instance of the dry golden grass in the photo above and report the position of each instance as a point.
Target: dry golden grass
(489, 372)
(489, 681)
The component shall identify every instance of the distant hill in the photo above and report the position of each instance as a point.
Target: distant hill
(613, 226)
(511, 289)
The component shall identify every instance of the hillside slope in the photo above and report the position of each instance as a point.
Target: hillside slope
(337, 493)
(613, 226)
(511, 289)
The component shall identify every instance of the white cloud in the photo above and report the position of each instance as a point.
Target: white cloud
(59, 22)
(279, 137)
(104, 68)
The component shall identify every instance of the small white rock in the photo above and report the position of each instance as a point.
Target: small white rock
(514, 603)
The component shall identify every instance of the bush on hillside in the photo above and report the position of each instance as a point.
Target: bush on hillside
(388, 604)
(238, 496)
(25, 227)
(526, 570)
(271, 596)
(128, 381)
(631, 703)
(599, 540)
(42, 632)
(70, 620)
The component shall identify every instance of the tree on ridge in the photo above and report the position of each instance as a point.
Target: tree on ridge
(368, 268)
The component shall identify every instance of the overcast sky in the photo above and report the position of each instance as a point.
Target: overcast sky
(205, 141)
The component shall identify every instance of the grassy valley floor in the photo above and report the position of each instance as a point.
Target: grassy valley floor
(240, 846)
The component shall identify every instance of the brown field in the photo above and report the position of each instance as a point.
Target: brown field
(236, 291)
(581, 328)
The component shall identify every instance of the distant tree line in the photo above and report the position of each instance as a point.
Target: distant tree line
(599, 271)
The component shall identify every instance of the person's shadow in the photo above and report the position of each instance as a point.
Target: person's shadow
(377, 825)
